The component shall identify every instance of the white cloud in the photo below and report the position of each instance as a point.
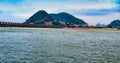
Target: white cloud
(9, 18)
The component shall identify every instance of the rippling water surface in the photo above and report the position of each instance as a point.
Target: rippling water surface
(38, 45)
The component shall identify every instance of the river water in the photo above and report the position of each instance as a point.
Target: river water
(40, 45)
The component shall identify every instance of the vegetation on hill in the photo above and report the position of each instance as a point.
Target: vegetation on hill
(65, 17)
(57, 19)
(115, 23)
(39, 18)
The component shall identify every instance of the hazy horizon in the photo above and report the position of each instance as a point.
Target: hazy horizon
(91, 11)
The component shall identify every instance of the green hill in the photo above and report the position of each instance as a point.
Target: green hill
(57, 19)
(39, 18)
(115, 23)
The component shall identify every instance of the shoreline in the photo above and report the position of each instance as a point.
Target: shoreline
(91, 28)
(70, 28)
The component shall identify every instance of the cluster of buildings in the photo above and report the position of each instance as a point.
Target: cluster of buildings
(100, 25)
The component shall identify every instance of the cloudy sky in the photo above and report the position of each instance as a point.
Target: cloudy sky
(91, 11)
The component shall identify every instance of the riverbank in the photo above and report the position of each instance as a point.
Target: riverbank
(91, 28)
(69, 28)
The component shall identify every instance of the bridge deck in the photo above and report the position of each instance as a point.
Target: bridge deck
(12, 24)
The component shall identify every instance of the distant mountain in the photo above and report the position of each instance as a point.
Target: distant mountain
(57, 19)
(115, 23)
(4, 17)
(65, 17)
(39, 18)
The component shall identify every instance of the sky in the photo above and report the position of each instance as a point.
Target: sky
(91, 11)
